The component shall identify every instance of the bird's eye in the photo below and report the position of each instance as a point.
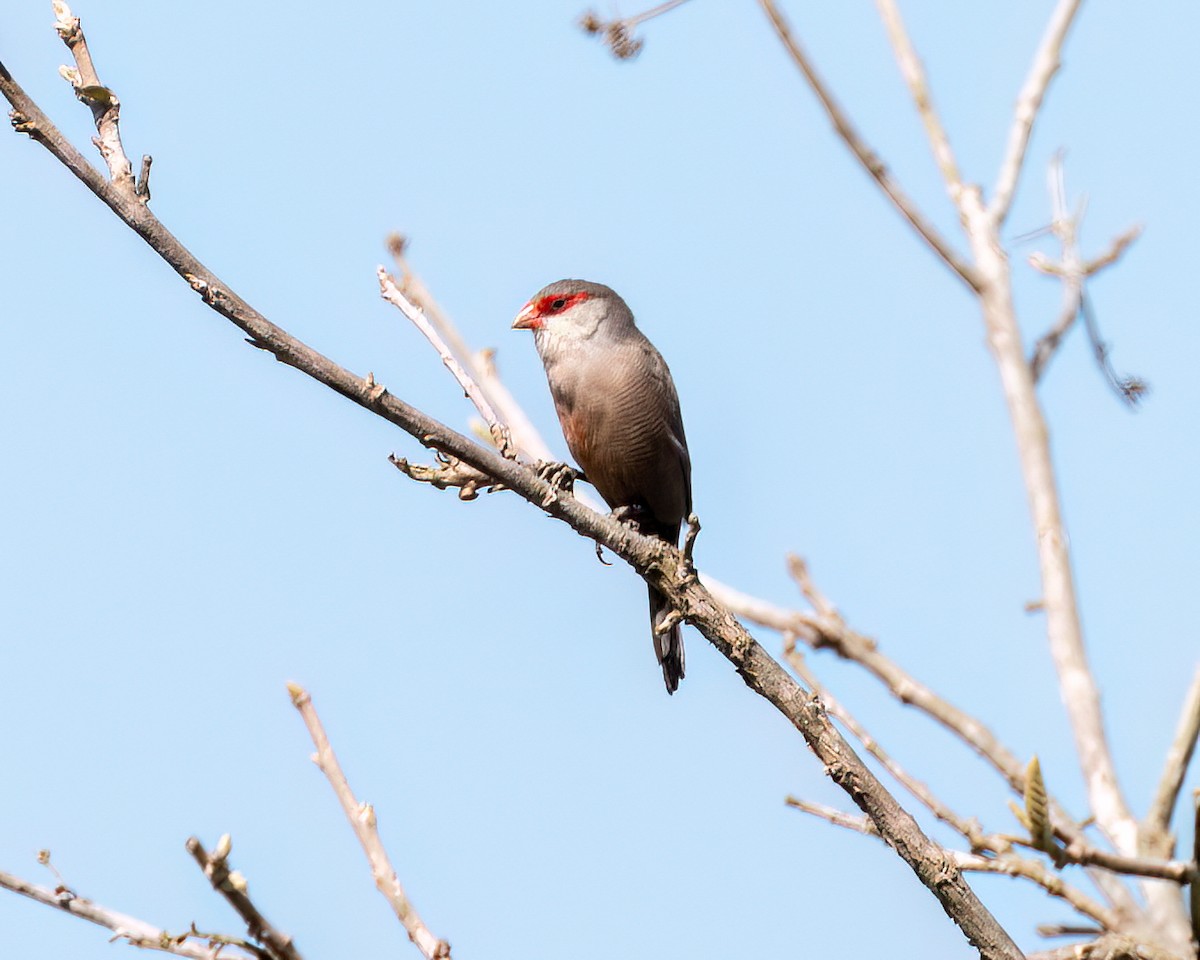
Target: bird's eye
(558, 304)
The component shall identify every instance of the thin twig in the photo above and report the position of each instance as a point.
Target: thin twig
(1050, 341)
(1012, 865)
(479, 364)
(139, 933)
(1008, 864)
(232, 886)
(866, 156)
(105, 107)
(837, 817)
(1108, 947)
(1179, 755)
(1067, 930)
(1115, 251)
(1072, 271)
(914, 75)
(1087, 855)
(1130, 389)
(970, 830)
(1029, 102)
(391, 293)
(827, 630)
(362, 820)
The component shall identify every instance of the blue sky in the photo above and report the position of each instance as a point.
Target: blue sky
(188, 524)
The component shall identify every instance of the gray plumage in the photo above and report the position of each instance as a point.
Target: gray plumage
(620, 416)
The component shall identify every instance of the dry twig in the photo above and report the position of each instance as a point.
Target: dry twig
(136, 932)
(1046, 62)
(1170, 782)
(232, 886)
(499, 432)
(918, 86)
(363, 822)
(865, 155)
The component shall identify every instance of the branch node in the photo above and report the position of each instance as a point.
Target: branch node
(142, 189)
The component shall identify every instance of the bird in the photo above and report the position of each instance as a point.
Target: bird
(619, 412)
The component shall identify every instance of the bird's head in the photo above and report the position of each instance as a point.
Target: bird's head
(574, 310)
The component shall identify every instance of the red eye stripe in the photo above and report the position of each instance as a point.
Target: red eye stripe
(555, 303)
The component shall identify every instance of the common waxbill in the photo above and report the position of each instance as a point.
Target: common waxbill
(620, 416)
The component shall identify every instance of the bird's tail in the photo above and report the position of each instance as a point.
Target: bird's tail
(668, 645)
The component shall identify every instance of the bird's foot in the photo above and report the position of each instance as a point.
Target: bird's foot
(562, 476)
(632, 515)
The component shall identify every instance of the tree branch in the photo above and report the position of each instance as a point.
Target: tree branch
(866, 156)
(133, 931)
(832, 815)
(365, 826)
(918, 86)
(970, 830)
(1076, 683)
(499, 432)
(1073, 272)
(1046, 62)
(479, 363)
(1179, 755)
(232, 886)
(828, 630)
(1012, 865)
(660, 565)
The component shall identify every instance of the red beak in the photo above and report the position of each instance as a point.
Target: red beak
(528, 318)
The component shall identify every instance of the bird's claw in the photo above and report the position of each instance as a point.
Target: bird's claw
(631, 514)
(561, 476)
(600, 554)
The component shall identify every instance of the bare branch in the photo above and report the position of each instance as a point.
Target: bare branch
(866, 156)
(1029, 101)
(839, 819)
(391, 293)
(1073, 271)
(828, 631)
(1087, 855)
(1179, 755)
(914, 75)
(1114, 252)
(662, 566)
(362, 820)
(1067, 930)
(1050, 341)
(1109, 947)
(232, 886)
(1129, 389)
(105, 107)
(479, 364)
(1012, 865)
(133, 931)
(970, 830)
(1064, 632)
